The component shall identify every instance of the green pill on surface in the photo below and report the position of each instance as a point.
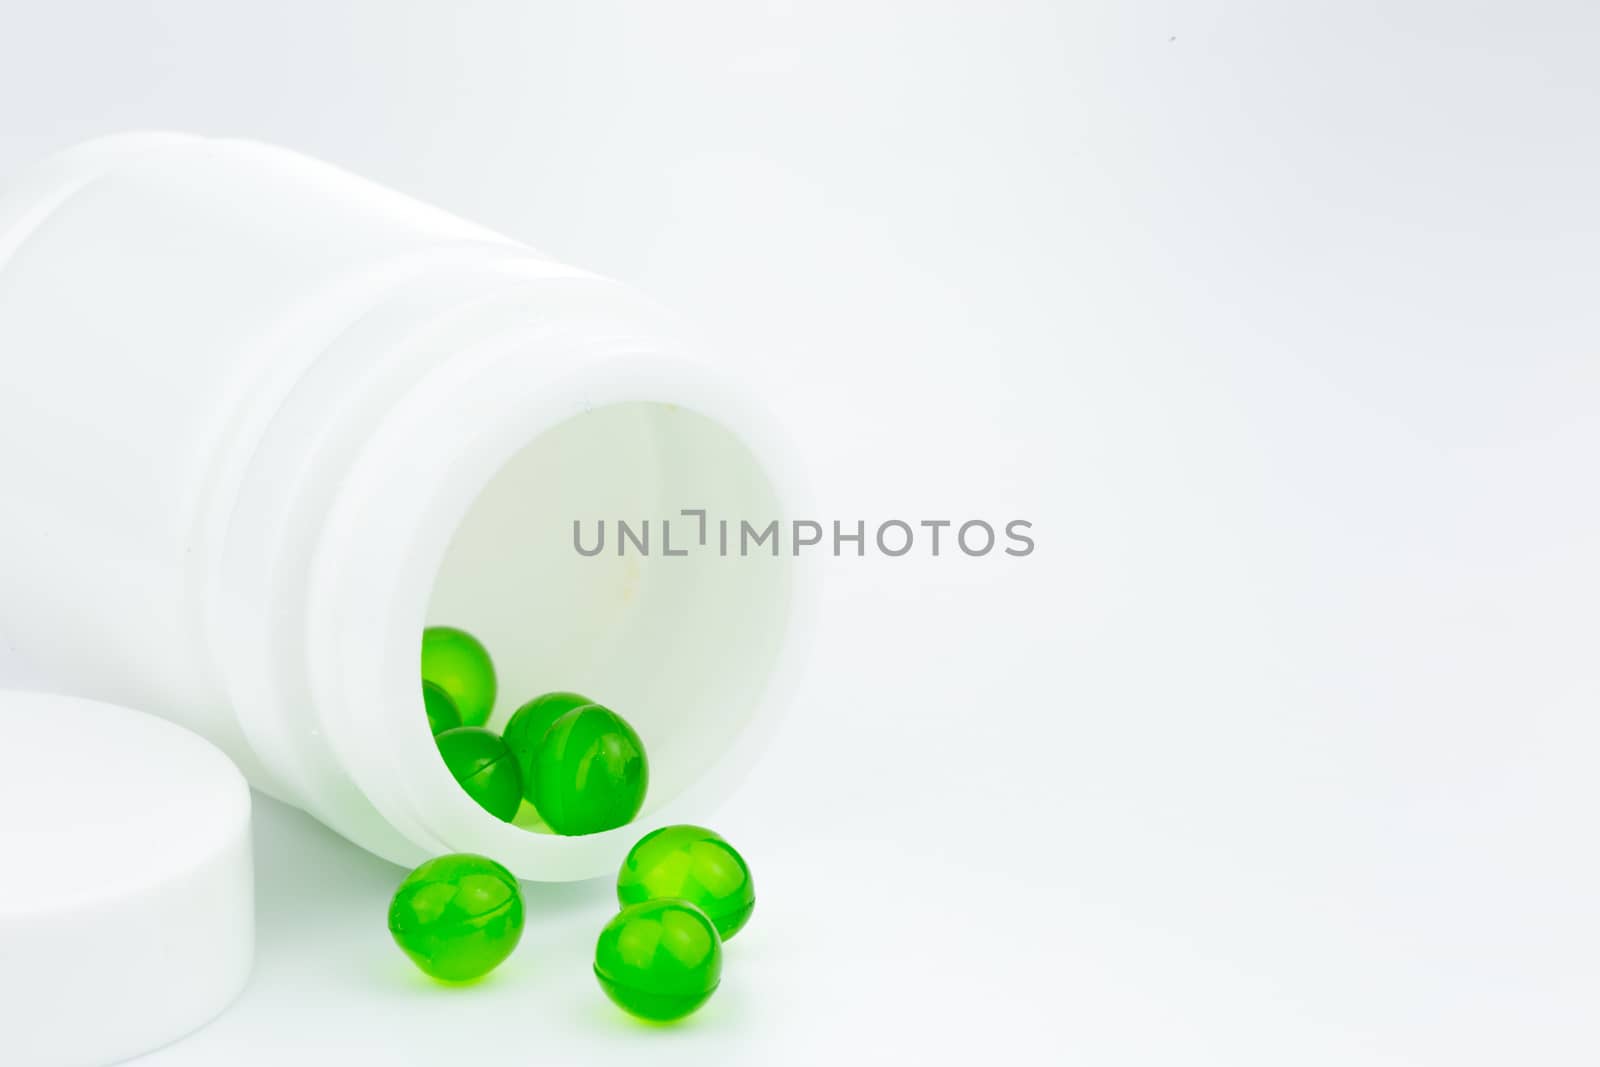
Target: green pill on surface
(525, 732)
(458, 917)
(590, 772)
(457, 662)
(659, 960)
(442, 713)
(694, 864)
(482, 765)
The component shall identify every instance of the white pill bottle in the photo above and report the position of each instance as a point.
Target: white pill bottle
(261, 422)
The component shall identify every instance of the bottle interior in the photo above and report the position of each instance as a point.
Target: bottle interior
(680, 645)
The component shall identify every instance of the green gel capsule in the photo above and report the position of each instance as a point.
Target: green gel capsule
(458, 917)
(590, 772)
(481, 763)
(659, 960)
(694, 864)
(456, 662)
(442, 713)
(527, 728)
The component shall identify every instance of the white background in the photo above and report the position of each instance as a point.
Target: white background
(1278, 320)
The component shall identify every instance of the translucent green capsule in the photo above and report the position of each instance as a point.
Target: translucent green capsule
(694, 864)
(590, 772)
(526, 730)
(458, 917)
(482, 764)
(456, 662)
(442, 713)
(659, 960)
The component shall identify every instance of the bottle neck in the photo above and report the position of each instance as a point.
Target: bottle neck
(371, 471)
(268, 522)
(387, 546)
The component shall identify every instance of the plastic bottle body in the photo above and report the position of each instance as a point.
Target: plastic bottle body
(265, 421)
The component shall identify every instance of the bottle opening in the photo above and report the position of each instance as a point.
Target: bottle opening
(616, 556)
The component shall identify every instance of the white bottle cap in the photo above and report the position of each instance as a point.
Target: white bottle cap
(127, 914)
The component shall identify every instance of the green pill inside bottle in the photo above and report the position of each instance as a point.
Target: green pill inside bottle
(482, 765)
(457, 662)
(659, 960)
(590, 772)
(458, 917)
(529, 723)
(694, 864)
(442, 713)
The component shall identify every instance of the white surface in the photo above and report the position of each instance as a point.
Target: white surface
(1280, 749)
(126, 906)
